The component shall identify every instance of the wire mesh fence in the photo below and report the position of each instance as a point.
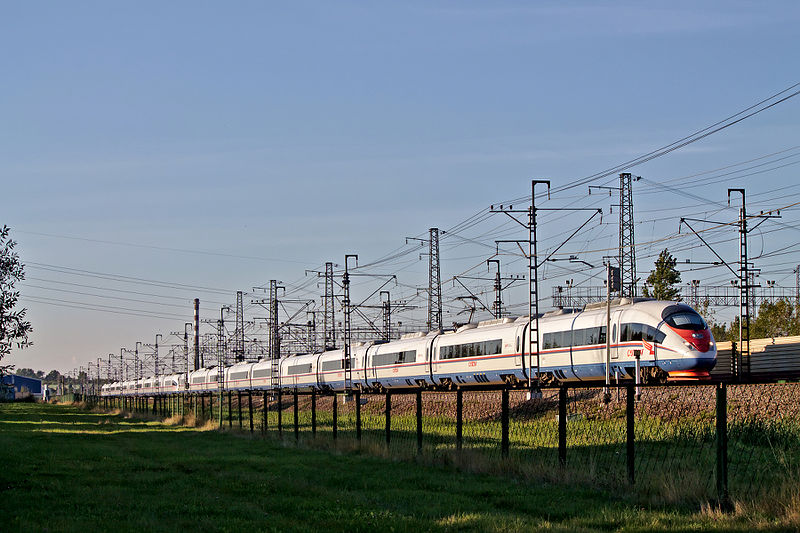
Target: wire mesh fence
(690, 442)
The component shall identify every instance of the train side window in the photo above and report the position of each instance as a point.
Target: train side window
(602, 338)
(566, 338)
(518, 344)
(654, 335)
(614, 333)
(555, 340)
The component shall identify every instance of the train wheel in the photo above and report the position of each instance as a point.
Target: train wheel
(653, 375)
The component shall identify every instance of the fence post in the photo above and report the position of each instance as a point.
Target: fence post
(459, 418)
(388, 418)
(419, 421)
(230, 410)
(562, 426)
(313, 412)
(250, 408)
(630, 437)
(335, 414)
(358, 415)
(504, 423)
(239, 406)
(280, 414)
(722, 445)
(296, 421)
(265, 411)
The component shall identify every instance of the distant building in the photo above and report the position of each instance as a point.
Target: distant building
(18, 387)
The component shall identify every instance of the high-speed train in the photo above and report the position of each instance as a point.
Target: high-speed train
(663, 339)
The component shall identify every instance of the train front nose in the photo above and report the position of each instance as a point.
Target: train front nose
(700, 354)
(700, 341)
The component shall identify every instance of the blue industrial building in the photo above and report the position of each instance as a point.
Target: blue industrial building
(15, 387)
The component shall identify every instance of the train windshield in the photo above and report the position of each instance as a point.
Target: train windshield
(686, 320)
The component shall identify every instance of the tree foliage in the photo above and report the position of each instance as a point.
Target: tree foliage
(775, 319)
(664, 278)
(28, 372)
(14, 329)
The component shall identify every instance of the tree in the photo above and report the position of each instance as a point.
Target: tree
(707, 312)
(775, 319)
(26, 372)
(14, 329)
(664, 278)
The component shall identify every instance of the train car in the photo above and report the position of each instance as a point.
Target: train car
(237, 377)
(149, 386)
(572, 346)
(674, 338)
(299, 372)
(197, 380)
(483, 353)
(172, 383)
(204, 380)
(331, 373)
(261, 375)
(654, 340)
(330, 369)
(403, 363)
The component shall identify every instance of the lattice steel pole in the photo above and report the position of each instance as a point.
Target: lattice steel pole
(533, 293)
(434, 282)
(197, 362)
(238, 350)
(274, 338)
(346, 366)
(329, 314)
(498, 289)
(627, 253)
(694, 293)
(387, 315)
(221, 359)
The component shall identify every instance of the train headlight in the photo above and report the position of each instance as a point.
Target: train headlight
(689, 345)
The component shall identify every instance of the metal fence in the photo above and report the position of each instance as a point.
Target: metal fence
(679, 443)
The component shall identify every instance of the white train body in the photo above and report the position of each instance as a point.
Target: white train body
(661, 338)
(400, 364)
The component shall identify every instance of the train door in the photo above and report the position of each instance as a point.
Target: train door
(370, 375)
(616, 332)
(529, 367)
(527, 360)
(431, 352)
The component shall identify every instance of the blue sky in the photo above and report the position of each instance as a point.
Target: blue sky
(273, 137)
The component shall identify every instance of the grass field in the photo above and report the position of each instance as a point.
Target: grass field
(67, 469)
(675, 456)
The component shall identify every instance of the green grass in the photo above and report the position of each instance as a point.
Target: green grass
(675, 457)
(64, 469)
